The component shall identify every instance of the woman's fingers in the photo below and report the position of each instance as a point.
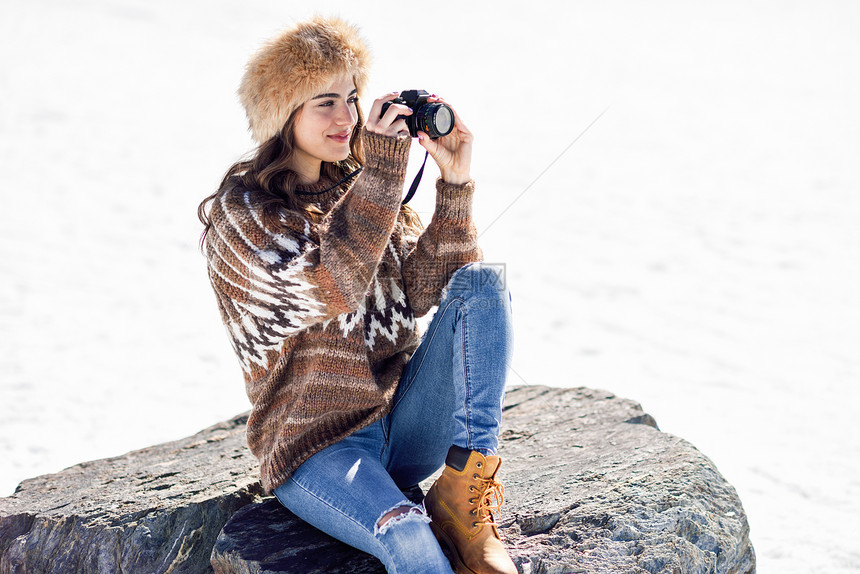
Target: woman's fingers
(430, 145)
(388, 123)
(389, 118)
(458, 122)
(376, 108)
(453, 152)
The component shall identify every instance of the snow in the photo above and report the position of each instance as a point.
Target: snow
(696, 249)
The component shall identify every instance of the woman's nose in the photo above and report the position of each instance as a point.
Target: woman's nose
(347, 116)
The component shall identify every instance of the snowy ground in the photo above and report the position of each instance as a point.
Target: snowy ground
(697, 249)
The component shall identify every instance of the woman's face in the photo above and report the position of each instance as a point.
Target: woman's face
(324, 126)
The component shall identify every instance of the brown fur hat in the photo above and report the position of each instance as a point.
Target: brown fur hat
(296, 66)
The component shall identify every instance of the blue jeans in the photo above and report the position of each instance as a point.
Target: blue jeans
(451, 392)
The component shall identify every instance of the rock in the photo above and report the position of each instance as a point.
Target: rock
(592, 486)
(265, 537)
(153, 510)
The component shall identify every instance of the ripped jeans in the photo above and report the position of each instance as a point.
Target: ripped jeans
(451, 392)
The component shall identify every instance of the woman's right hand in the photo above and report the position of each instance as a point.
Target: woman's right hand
(388, 125)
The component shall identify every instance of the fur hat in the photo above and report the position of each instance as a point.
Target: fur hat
(296, 66)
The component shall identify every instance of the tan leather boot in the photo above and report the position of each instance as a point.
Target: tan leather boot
(460, 506)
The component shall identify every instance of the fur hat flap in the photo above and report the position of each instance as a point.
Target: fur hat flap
(296, 66)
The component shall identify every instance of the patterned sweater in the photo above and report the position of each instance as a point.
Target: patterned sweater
(322, 316)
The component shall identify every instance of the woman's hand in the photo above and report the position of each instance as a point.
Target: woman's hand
(388, 124)
(452, 153)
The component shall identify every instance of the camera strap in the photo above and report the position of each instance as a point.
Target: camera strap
(414, 187)
(328, 189)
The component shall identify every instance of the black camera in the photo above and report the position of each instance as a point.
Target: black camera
(433, 118)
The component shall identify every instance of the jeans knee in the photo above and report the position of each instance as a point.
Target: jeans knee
(400, 514)
(409, 543)
(485, 282)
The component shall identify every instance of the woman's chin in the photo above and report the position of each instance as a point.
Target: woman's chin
(336, 156)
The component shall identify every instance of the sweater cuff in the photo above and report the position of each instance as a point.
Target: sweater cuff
(388, 154)
(454, 201)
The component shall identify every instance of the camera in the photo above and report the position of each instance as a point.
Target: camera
(433, 118)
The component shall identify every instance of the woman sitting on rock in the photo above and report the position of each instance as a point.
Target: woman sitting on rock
(319, 274)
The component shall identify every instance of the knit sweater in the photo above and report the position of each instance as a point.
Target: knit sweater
(322, 316)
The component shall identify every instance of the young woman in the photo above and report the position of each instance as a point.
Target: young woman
(319, 273)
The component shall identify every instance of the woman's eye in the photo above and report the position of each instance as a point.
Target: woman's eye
(330, 103)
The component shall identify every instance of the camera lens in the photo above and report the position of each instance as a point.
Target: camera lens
(436, 120)
(444, 120)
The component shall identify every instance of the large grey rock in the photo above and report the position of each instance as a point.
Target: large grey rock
(153, 510)
(591, 487)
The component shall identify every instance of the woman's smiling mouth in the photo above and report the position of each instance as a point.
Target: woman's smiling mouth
(342, 137)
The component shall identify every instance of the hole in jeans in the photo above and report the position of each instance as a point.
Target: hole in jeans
(398, 514)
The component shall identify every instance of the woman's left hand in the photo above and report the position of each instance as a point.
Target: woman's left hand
(452, 153)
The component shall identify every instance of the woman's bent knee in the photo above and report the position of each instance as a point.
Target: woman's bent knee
(487, 281)
(401, 513)
(405, 534)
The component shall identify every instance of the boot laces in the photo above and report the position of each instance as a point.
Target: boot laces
(490, 489)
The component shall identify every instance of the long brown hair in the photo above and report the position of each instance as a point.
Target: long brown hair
(268, 171)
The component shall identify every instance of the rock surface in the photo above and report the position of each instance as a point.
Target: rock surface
(158, 509)
(591, 486)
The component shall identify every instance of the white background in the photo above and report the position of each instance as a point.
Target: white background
(697, 249)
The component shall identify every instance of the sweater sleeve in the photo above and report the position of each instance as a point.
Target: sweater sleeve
(449, 242)
(272, 281)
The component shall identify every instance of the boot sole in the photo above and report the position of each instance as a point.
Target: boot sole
(460, 567)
